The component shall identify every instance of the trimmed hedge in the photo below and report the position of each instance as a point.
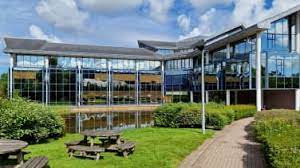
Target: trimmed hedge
(279, 132)
(189, 115)
(25, 120)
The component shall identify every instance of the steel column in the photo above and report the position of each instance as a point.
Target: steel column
(258, 72)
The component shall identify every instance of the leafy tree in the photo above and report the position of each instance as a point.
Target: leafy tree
(3, 85)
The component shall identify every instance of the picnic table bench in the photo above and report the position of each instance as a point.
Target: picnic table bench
(106, 137)
(12, 147)
(36, 162)
(85, 151)
(126, 148)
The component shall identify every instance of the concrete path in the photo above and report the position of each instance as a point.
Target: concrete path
(233, 147)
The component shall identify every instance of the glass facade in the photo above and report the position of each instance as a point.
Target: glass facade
(94, 87)
(178, 83)
(98, 81)
(281, 65)
(29, 83)
(86, 81)
(165, 51)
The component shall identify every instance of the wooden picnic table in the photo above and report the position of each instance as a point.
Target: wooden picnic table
(12, 147)
(110, 135)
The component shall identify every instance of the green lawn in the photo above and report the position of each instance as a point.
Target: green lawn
(155, 147)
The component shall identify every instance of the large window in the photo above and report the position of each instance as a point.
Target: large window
(119, 64)
(123, 88)
(29, 84)
(94, 87)
(30, 61)
(63, 86)
(165, 51)
(149, 65)
(178, 85)
(283, 70)
(150, 88)
(281, 35)
(281, 64)
(64, 62)
(181, 64)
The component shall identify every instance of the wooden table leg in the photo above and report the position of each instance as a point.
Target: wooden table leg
(20, 157)
(92, 141)
(118, 140)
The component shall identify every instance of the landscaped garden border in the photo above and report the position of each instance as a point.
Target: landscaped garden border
(279, 133)
(176, 115)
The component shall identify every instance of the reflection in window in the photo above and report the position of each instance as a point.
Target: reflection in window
(182, 64)
(123, 88)
(150, 88)
(63, 87)
(149, 65)
(65, 62)
(94, 87)
(29, 84)
(120, 64)
(30, 61)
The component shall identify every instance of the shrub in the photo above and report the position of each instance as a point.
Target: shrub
(189, 115)
(242, 111)
(279, 132)
(25, 120)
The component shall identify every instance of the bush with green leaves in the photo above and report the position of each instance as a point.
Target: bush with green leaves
(189, 115)
(279, 132)
(242, 111)
(29, 121)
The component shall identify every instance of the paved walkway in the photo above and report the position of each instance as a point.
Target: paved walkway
(233, 147)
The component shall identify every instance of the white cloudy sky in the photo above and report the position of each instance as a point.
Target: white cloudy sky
(122, 22)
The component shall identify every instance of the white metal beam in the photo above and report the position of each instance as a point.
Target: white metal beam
(258, 72)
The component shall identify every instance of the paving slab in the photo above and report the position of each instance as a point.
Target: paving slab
(233, 147)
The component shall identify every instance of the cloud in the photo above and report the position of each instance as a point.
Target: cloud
(183, 22)
(111, 6)
(63, 14)
(245, 12)
(203, 5)
(36, 32)
(119, 31)
(159, 9)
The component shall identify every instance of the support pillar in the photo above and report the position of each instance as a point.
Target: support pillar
(297, 32)
(235, 97)
(109, 81)
(46, 78)
(228, 51)
(162, 82)
(227, 97)
(79, 84)
(207, 58)
(206, 96)
(297, 100)
(258, 72)
(191, 96)
(137, 86)
(11, 75)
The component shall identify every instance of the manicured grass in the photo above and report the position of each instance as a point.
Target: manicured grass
(155, 147)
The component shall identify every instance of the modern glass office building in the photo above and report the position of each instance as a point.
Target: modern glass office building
(259, 64)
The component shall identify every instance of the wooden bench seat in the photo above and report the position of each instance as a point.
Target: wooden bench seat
(36, 162)
(74, 143)
(126, 148)
(85, 151)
